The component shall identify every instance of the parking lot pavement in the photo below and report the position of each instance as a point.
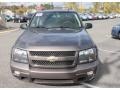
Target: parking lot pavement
(13, 25)
(109, 55)
(10, 26)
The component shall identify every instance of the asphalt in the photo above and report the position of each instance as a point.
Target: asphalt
(109, 55)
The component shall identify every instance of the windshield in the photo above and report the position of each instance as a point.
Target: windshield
(50, 20)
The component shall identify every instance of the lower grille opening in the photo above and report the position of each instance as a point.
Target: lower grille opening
(53, 81)
(82, 78)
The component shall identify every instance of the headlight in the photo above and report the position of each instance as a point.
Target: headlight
(20, 56)
(88, 55)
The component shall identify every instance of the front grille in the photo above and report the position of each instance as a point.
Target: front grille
(48, 63)
(59, 59)
(52, 53)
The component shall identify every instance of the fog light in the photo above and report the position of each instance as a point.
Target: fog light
(90, 73)
(16, 73)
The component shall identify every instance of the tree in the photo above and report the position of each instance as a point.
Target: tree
(116, 6)
(81, 8)
(2, 6)
(21, 9)
(72, 5)
(47, 6)
(96, 7)
(32, 6)
(14, 8)
(107, 7)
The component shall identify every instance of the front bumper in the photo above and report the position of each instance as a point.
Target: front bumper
(55, 76)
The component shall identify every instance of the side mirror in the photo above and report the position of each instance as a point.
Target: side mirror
(88, 25)
(23, 26)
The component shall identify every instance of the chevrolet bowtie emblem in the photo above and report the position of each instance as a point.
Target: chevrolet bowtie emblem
(52, 58)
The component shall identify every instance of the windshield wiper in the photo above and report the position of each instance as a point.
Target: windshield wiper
(40, 27)
(59, 27)
(63, 27)
(55, 27)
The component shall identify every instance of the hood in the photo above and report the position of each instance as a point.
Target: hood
(51, 41)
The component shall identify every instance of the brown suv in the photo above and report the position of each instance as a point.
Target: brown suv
(55, 48)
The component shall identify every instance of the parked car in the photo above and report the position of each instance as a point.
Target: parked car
(8, 18)
(117, 15)
(89, 16)
(105, 16)
(111, 16)
(55, 48)
(94, 16)
(30, 15)
(100, 16)
(20, 18)
(83, 17)
(116, 31)
(16, 18)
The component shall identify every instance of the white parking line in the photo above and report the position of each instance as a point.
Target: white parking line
(109, 51)
(89, 85)
(8, 31)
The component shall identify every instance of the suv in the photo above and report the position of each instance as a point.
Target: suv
(55, 48)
